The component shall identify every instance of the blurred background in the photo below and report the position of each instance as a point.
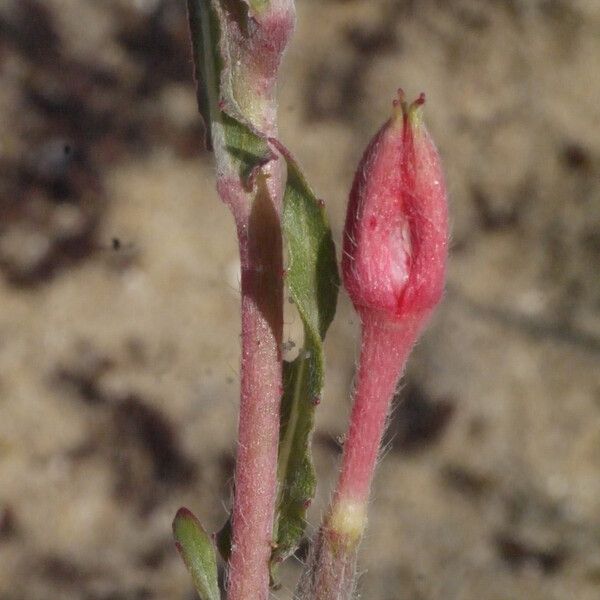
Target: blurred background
(119, 325)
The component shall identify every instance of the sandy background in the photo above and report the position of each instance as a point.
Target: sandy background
(119, 313)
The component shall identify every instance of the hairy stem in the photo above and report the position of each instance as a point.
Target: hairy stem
(261, 389)
(238, 46)
(385, 346)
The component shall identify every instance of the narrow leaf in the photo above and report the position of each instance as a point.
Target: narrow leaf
(225, 125)
(312, 271)
(205, 33)
(313, 282)
(196, 549)
(247, 150)
(223, 540)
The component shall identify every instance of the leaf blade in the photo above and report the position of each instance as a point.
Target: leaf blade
(205, 33)
(313, 281)
(196, 548)
(226, 128)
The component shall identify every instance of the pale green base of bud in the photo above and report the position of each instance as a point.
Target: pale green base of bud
(330, 571)
(347, 522)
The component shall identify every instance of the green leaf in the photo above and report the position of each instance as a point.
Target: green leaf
(223, 540)
(198, 553)
(313, 281)
(312, 274)
(259, 5)
(247, 150)
(205, 34)
(226, 127)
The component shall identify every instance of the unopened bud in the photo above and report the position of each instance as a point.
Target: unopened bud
(396, 234)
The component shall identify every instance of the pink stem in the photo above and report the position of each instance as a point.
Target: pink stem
(261, 388)
(385, 347)
(330, 570)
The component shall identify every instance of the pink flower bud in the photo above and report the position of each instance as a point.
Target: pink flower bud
(395, 245)
(396, 234)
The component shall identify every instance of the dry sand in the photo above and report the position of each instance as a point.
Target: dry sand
(119, 323)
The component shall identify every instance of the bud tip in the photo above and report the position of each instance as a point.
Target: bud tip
(404, 112)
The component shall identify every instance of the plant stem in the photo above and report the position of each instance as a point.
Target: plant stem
(385, 346)
(261, 389)
(238, 48)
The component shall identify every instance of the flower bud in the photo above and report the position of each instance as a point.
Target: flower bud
(396, 233)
